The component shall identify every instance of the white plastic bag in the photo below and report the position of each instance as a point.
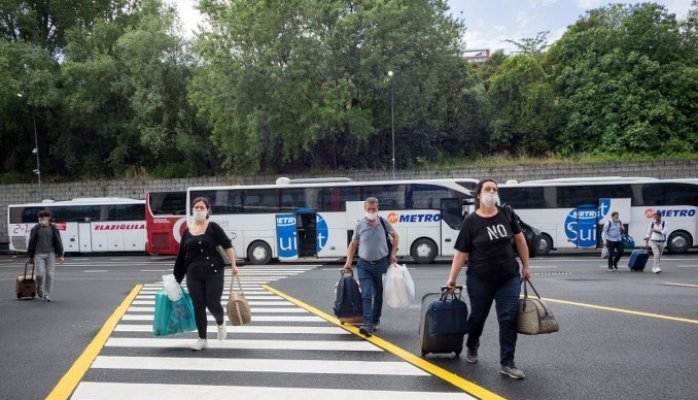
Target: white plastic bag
(398, 287)
(604, 252)
(172, 288)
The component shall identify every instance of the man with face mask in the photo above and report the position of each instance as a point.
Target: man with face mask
(374, 259)
(45, 245)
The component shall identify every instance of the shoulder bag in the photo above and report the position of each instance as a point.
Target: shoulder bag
(535, 317)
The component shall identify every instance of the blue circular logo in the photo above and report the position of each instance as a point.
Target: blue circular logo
(580, 225)
(323, 232)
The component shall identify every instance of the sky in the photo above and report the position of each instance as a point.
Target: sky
(490, 22)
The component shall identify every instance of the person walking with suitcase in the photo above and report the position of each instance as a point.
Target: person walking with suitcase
(492, 273)
(612, 240)
(45, 245)
(656, 238)
(374, 259)
(204, 267)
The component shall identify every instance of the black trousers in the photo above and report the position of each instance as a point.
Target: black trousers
(615, 252)
(206, 290)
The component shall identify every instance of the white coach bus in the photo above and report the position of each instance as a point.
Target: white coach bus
(571, 212)
(87, 225)
(316, 217)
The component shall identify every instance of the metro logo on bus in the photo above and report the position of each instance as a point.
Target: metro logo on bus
(119, 227)
(581, 222)
(395, 218)
(649, 213)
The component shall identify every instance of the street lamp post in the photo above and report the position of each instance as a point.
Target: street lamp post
(392, 118)
(37, 171)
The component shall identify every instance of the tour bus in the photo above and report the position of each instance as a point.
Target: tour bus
(303, 218)
(571, 212)
(165, 221)
(87, 225)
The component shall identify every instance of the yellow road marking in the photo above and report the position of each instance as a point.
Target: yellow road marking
(453, 379)
(679, 284)
(72, 378)
(624, 311)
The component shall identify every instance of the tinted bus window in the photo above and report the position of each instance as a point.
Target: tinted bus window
(669, 194)
(523, 197)
(24, 215)
(335, 198)
(166, 203)
(426, 196)
(390, 197)
(78, 213)
(294, 198)
(222, 201)
(126, 212)
(260, 201)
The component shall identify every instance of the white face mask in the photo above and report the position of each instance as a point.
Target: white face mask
(489, 199)
(200, 215)
(371, 216)
(43, 222)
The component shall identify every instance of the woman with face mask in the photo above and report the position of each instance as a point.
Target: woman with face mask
(492, 273)
(198, 259)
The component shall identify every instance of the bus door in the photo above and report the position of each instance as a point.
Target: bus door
(451, 218)
(84, 236)
(306, 232)
(69, 236)
(608, 206)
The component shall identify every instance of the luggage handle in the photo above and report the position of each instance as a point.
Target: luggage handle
(445, 292)
(528, 281)
(236, 279)
(26, 265)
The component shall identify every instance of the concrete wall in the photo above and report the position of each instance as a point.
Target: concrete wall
(26, 193)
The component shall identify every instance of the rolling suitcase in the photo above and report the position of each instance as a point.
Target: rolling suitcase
(26, 284)
(433, 308)
(638, 260)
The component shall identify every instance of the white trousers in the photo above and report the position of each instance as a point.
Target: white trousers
(657, 250)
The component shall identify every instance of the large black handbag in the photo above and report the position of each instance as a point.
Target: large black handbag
(448, 315)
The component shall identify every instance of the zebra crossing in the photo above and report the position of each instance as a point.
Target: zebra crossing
(286, 352)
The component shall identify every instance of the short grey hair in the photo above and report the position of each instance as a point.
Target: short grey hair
(371, 200)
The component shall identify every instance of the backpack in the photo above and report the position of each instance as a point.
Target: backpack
(532, 235)
(652, 227)
(347, 305)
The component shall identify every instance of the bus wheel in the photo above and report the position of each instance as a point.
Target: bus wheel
(679, 242)
(545, 245)
(259, 253)
(424, 251)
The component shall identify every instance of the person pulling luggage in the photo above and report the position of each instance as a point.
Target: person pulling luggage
(656, 239)
(492, 273)
(374, 258)
(45, 245)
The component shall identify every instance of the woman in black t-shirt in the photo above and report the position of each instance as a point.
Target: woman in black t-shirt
(492, 274)
(199, 260)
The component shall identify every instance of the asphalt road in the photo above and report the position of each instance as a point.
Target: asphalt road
(622, 335)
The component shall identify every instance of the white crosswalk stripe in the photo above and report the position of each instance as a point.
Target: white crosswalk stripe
(285, 353)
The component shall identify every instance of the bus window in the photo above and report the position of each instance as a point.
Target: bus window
(125, 212)
(292, 199)
(260, 201)
(425, 196)
(335, 198)
(390, 197)
(669, 194)
(78, 213)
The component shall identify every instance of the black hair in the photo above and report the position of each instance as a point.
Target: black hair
(478, 190)
(205, 201)
(44, 213)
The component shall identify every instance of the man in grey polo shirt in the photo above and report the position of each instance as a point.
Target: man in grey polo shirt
(374, 259)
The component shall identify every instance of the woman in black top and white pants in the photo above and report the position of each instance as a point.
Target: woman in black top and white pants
(204, 268)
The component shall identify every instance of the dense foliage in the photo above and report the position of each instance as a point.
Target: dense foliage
(114, 88)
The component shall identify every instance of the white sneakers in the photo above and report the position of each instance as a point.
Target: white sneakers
(200, 344)
(656, 270)
(222, 332)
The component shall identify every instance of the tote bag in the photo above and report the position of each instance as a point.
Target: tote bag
(238, 309)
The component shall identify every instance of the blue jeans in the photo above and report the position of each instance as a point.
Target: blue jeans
(371, 283)
(506, 294)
